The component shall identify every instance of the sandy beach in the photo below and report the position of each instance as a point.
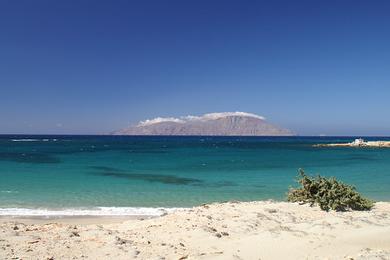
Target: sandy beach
(233, 230)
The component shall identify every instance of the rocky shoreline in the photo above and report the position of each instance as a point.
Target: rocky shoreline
(358, 143)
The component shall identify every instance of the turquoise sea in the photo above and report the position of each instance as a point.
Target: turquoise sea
(123, 173)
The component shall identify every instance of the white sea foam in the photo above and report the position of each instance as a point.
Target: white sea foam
(9, 191)
(33, 140)
(25, 140)
(98, 211)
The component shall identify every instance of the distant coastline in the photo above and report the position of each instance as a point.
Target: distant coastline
(212, 124)
(358, 143)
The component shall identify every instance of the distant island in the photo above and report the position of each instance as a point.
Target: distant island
(358, 143)
(212, 124)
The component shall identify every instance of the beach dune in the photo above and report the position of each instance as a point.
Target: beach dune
(233, 230)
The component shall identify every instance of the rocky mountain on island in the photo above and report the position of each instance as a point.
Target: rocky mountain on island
(213, 124)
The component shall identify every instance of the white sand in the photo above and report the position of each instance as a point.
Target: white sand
(243, 230)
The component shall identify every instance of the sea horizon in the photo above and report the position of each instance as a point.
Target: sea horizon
(255, 136)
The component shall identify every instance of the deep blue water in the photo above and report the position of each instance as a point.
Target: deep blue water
(119, 171)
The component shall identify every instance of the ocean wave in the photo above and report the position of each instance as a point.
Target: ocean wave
(33, 140)
(9, 191)
(98, 211)
(25, 140)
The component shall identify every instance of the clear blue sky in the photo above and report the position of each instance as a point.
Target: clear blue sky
(316, 67)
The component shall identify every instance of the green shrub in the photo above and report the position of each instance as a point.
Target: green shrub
(328, 193)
